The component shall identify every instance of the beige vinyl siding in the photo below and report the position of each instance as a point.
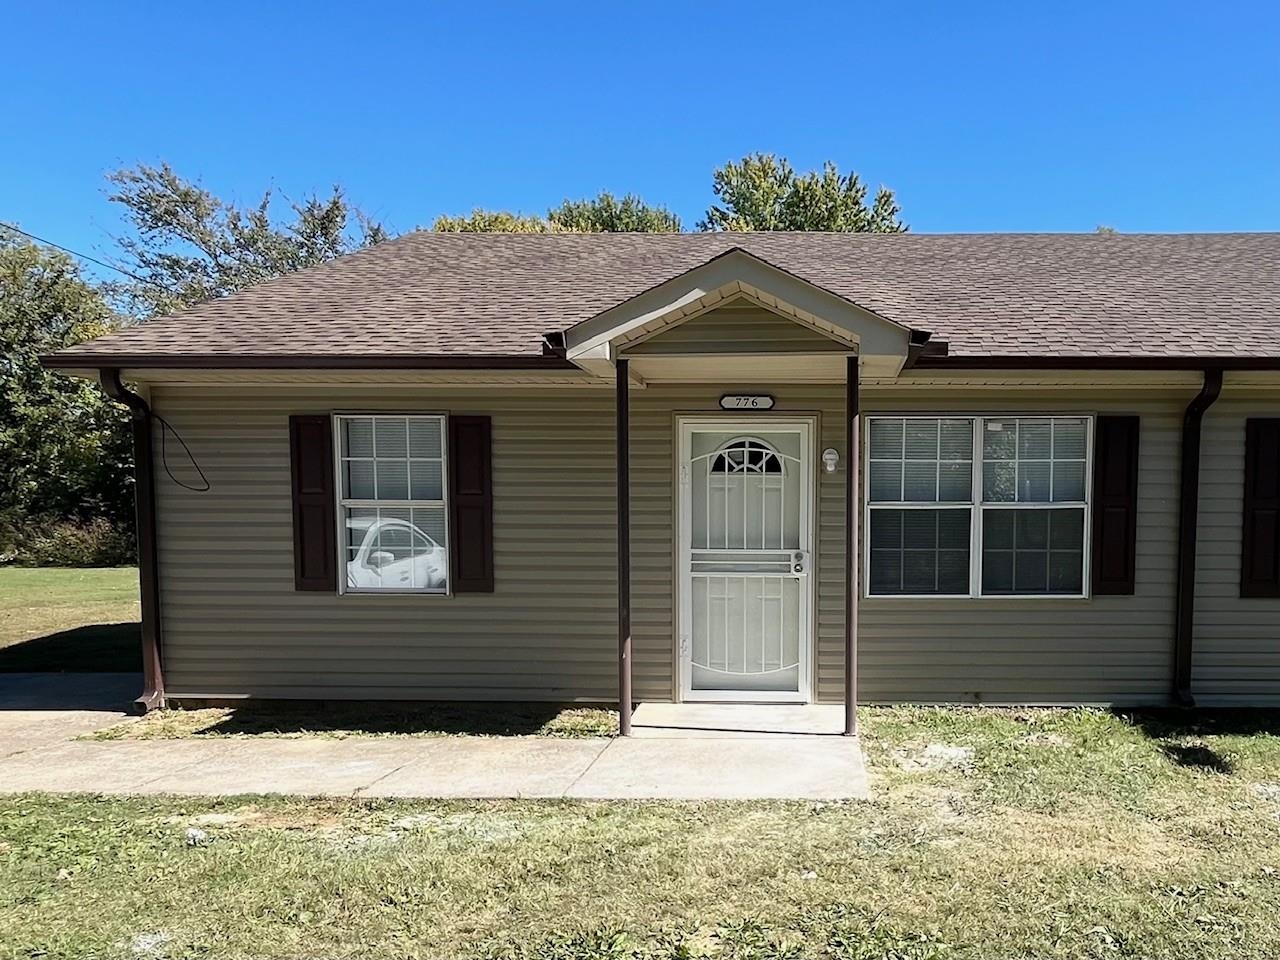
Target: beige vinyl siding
(235, 626)
(998, 650)
(737, 328)
(1237, 639)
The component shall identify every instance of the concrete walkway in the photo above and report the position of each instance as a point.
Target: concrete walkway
(679, 752)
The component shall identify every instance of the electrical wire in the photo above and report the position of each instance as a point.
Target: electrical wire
(84, 256)
(167, 428)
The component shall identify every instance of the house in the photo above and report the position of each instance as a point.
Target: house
(593, 467)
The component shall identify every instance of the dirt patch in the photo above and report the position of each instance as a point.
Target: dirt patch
(934, 758)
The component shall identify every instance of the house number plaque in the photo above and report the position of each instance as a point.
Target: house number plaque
(749, 402)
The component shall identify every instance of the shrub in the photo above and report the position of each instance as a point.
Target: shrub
(66, 543)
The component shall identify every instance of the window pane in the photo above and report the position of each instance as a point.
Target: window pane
(922, 440)
(999, 482)
(886, 480)
(1069, 439)
(1034, 460)
(424, 437)
(886, 572)
(1066, 572)
(997, 571)
(886, 439)
(1033, 481)
(886, 529)
(357, 437)
(393, 480)
(1068, 481)
(920, 481)
(357, 482)
(390, 437)
(1066, 529)
(999, 440)
(1035, 439)
(997, 529)
(957, 440)
(1031, 571)
(920, 460)
(919, 551)
(1033, 551)
(426, 480)
(955, 481)
(431, 521)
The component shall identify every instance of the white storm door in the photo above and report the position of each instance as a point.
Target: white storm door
(745, 555)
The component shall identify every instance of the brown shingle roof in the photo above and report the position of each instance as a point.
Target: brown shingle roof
(987, 295)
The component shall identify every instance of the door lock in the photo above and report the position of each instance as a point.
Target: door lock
(798, 562)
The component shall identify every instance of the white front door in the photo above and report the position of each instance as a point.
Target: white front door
(746, 507)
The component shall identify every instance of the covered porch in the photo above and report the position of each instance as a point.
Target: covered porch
(753, 481)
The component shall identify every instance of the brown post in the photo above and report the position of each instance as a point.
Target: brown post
(144, 494)
(623, 433)
(851, 427)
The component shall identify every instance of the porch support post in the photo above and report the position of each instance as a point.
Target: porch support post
(623, 458)
(852, 421)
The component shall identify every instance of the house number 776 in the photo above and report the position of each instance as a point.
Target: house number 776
(758, 402)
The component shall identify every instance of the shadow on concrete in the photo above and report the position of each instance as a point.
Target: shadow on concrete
(69, 691)
(97, 648)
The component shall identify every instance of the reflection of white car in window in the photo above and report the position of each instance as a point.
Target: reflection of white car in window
(393, 554)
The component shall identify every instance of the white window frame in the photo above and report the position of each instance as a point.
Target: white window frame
(345, 503)
(976, 505)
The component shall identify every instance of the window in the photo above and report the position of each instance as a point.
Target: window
(392, 503)
(977, 506)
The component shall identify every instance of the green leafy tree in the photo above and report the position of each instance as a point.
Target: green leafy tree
(491, 221)
(763, 192)
(187, 245)
(608, 214)
(64, 448)
(603, 214)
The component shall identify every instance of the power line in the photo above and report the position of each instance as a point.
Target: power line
(85, 256)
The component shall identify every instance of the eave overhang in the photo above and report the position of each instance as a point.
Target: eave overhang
(882, 345)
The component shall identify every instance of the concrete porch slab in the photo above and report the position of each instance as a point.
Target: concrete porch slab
(726, 720)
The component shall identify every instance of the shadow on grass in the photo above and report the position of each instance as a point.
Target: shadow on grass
(1179, 733)
(1197, 756)
(99, 648)
(477, 719)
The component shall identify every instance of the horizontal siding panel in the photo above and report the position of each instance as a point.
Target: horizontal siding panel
(235, 626)
(1236, 658)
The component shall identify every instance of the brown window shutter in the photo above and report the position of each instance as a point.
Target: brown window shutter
(1115, 505)
(315, 564)
(1260, 553)
(471, 504)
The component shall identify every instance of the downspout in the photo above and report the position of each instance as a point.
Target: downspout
(152, 696)
(1188, 521)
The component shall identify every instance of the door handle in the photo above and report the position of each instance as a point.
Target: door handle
(799, 562)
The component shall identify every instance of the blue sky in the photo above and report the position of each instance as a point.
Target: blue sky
(982, 116)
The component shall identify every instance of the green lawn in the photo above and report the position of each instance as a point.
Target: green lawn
(54, 618)
(990, 834)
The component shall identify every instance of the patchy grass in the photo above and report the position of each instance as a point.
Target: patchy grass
(340, 720)
(991, 833)
(55, 618)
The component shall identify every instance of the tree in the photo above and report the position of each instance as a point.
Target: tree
(64, 449)
(188, 245)
(603, 214)
(607, 214)
(763, 192)
(491, 221)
